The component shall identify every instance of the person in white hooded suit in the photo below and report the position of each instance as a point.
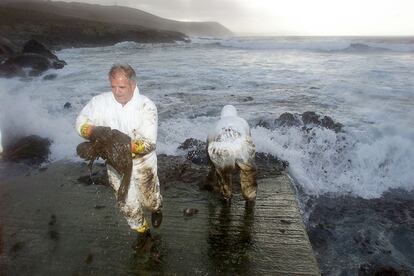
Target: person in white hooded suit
(135, 115)
(230, 147)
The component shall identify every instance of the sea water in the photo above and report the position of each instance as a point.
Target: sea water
(366, 84)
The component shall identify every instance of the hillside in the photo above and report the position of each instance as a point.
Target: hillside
(19, 25)
(122, 15)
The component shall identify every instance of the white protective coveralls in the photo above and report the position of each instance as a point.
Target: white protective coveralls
(229, 145)
(138, 119)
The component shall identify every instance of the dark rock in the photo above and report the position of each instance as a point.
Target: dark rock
(30, 149)
(328, 123)
(269, 165)
(248, 99)
(310, 117)
(50, 77)
(307, 120)
(263, 123)
(37, 63)
(67, 105)
(196, 151)
(287, 119)
(7, 48)
(192, 143)
(34, 46)
(178, 168)
(11, 70)
(197, 154)
(188, 212)
(34, 56)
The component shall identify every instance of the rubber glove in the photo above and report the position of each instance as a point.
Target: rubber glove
(86, 130)
(137, 146)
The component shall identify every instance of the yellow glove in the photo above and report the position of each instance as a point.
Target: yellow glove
(86, 130)
(143, 228)
(137, 146)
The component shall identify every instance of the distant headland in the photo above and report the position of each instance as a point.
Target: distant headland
(62, 25)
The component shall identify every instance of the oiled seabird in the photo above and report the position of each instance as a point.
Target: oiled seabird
(115, 148)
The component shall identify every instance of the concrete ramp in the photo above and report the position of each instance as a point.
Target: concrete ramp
(279, 211)
(52, 224)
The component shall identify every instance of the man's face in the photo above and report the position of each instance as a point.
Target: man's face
(122, 88)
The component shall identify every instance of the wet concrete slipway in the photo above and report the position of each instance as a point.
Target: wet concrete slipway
(52, 223)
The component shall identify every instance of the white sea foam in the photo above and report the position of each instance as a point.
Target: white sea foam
(174, 132)
(323, 161)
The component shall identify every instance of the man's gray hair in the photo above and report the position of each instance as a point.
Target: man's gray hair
(125, 69)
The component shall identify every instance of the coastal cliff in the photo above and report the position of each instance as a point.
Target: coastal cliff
(19, 25)
(61, 25)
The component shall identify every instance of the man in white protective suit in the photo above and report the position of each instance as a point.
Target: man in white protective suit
(126, 110)
(230, 147)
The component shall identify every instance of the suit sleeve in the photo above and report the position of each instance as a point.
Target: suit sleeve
(146, 135)
(86, 116)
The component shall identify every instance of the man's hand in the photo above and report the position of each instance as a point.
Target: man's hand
(137, 146)
(86, 130)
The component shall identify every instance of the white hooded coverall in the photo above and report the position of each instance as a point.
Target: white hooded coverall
(138, 119)
(229, 145)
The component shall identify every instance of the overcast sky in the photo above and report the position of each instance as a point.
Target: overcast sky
(288, 17)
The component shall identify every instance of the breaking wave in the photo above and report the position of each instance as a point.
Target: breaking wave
(330, 44)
